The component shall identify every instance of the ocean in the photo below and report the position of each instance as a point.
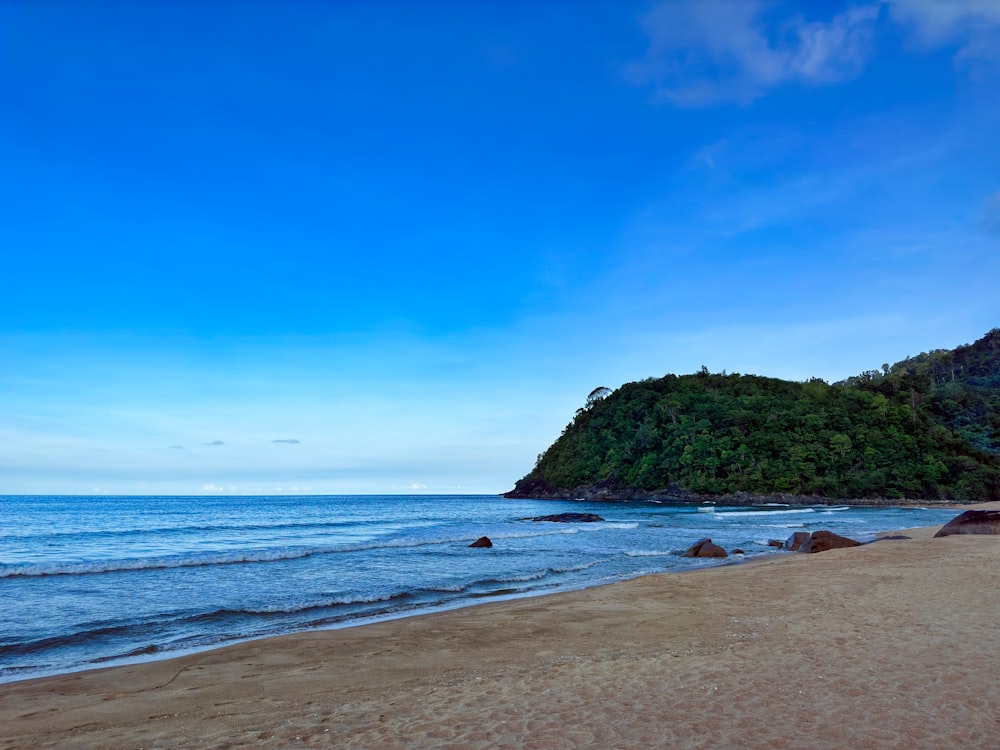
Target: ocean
(94, 581)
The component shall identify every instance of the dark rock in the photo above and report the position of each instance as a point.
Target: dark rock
(737, 551)
(570, 518)
(483, 541)
(796, 540)
(775, 543)
(821, 541)
(705, 548)
(892, 537)
(972, 522)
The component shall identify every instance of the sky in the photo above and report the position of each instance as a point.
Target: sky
(390, 247)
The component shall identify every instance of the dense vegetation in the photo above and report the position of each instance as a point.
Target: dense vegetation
(927, 427)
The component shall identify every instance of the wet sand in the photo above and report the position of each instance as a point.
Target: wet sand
(893, 644)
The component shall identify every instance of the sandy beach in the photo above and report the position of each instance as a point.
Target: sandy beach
(893, 644)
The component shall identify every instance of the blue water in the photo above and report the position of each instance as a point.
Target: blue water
(91, 581)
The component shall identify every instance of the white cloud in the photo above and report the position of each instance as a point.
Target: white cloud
(972, 24)
(704, 53)
(829, 52)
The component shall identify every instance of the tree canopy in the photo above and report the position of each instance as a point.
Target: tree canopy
(925, 428)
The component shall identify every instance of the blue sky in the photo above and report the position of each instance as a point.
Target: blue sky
(391, 247)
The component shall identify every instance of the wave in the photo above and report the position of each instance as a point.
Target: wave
(753, 513)
(293, 608)
(152, 563)
(87, 633)
(180, 530)
(418, 596)
(202, 559)
(84, 635)
(610, 525)
(649, 553)
(569, 529)
(533, 534)
(526, 577)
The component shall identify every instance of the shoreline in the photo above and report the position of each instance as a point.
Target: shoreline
(152, 654)
(726, 654)
(613, 493)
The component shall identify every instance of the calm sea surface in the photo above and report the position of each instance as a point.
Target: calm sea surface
(90, 581)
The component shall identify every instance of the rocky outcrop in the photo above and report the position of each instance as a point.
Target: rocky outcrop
(569, 518)
(821, 541)
(705, 548)
(795, 541)
(483, 541)
(536, 488)
(972, 522)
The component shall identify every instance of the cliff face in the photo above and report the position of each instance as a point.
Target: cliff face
(928, 429)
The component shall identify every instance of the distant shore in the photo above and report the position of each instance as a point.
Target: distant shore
(614, 492)
(892, 644)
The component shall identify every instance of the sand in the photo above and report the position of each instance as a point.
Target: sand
(893, 644)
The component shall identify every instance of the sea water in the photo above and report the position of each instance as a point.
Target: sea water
(92, 581)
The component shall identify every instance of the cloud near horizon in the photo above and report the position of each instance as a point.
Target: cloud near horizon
(291, 441)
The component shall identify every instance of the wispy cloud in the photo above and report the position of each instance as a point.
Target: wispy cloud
(215, 442)
(176, 447)
(291, 441)
(974, 25)
(703, 53)
(722, 51)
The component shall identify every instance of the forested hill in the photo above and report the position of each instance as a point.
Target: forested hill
(926, 428)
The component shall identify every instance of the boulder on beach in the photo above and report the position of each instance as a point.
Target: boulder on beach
(972, 522)
(796, 540)
(821, 541)
(705, 548)
(569, 518)
(483, 541)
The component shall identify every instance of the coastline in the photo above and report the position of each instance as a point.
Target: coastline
(887, 644)
(611, 491)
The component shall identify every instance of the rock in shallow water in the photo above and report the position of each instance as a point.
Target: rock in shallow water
(483, 541)
(705, 548)
(570, 518)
